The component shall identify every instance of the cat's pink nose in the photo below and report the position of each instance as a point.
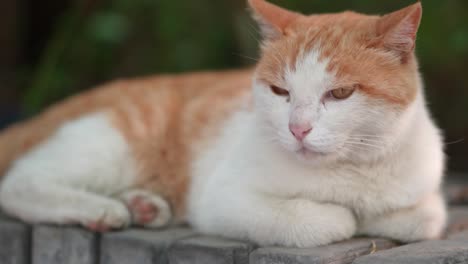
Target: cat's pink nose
(300, 131)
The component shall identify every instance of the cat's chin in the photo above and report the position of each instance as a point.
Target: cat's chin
(310, 156)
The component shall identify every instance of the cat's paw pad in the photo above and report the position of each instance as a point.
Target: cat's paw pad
(148, 210)
(143, 210)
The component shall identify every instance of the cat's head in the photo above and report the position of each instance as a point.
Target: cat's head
(335, 85)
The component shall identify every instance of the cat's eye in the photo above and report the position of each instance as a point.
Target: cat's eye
(342, 93)
(279, 91)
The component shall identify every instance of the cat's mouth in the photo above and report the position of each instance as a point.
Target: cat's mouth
(305, 152)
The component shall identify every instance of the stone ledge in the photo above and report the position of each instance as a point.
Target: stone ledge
(15, 239)
(343, 252)
(444, 251)
(210, 250)
(60, 245)
(22, 244)
(41, 244)
(140, 246)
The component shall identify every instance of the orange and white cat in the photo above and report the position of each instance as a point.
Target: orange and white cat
(327, 138)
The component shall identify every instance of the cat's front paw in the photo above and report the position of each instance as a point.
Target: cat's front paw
(331, 224)
(113, 216)
(147, 209)
(431, 220)
(424, 221)
(307, 224)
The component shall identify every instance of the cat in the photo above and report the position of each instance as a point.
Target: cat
(328, 137)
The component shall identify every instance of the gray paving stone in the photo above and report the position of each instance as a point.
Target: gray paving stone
(456, 188)
(428, 252)
(458, 221)
(339, 253)
(458, 213)
(63, 245)
(14, 242)
(463, 235)
(210, 250)
(140, 246)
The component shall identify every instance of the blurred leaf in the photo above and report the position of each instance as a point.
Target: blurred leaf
(108, 27)
(459, 41)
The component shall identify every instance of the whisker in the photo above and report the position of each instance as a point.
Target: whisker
(352, 140)
(364, 144)
(255, 32)
(368, 135)
(367, 139)
(455, 142)
(355, 147)
(246, 57)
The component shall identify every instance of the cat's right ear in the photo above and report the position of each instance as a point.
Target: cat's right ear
(398, 29)
(273, 20)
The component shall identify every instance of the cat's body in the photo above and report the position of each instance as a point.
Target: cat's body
(159, 124)
(345, 147)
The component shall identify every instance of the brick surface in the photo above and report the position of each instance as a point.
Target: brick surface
(210, 250)
(339, 253)
(14, 242)
(140, 246)
(63, 245)
(428, 252)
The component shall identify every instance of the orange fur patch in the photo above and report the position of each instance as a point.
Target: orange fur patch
(163, 119)
(351, 44)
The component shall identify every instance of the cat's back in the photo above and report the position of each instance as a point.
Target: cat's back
(139, 92)
(139, 108)
(184, 105)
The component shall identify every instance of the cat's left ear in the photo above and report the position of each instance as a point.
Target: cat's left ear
(273, 20)
(398, 29)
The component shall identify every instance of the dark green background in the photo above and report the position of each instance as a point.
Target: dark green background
(87, 42)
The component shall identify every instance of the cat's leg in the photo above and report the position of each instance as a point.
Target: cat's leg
(147, 209)
(425, 220)
(71, 176)
(49, 202)
(269, 220)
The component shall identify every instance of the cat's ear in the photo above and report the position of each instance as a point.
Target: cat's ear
(398, 29)
(273, 20)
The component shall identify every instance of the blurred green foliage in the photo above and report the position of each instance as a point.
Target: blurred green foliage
(104, 39)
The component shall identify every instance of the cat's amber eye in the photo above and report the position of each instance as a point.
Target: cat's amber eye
(279, 91)
(342, 93)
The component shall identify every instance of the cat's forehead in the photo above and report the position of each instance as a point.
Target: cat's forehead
(340, 46)
(329, 34)
(343, 19)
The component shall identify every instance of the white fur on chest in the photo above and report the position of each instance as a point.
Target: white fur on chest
(242, 161)
(365, 159)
